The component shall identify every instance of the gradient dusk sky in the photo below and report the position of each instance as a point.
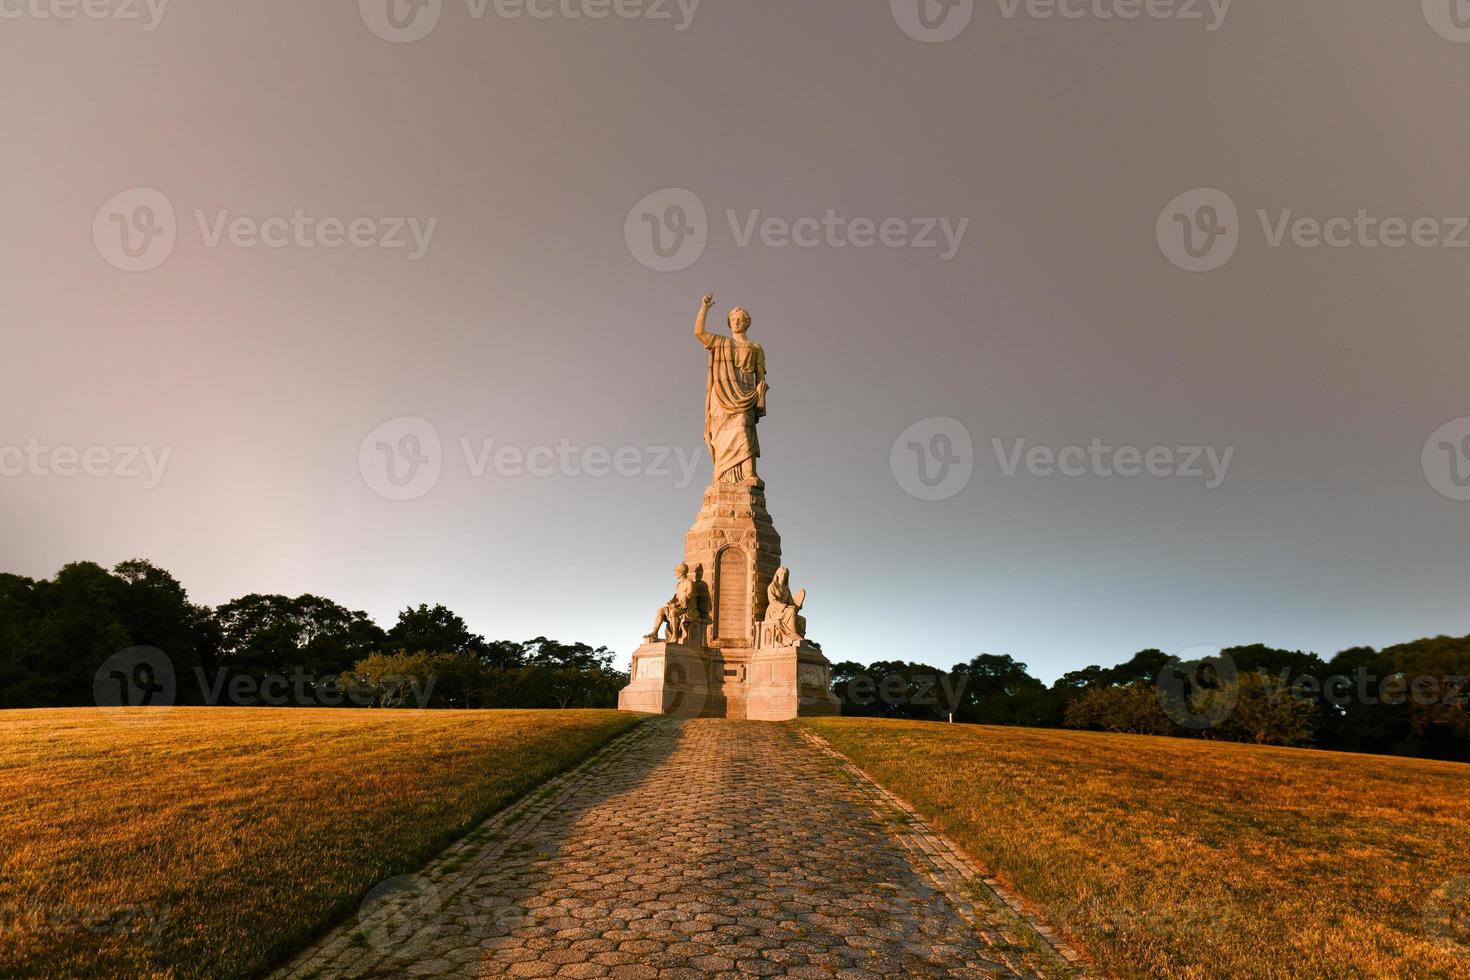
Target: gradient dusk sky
(535, 316)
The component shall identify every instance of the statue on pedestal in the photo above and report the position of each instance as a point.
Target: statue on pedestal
(783, 610)
(680, 612)
(734, 646)
(735, 396)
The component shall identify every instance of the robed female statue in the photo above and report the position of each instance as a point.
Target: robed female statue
(735, 397)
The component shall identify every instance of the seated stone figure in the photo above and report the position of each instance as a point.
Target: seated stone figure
(786, 625)
(701, 615)
(681, 613)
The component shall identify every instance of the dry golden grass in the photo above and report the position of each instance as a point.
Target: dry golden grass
(213, 841)
(1179, 858)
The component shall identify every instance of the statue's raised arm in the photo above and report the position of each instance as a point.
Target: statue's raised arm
(702, 316)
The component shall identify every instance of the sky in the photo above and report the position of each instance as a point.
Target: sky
(255, 253)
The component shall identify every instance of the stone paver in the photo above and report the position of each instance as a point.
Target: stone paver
(695, 849)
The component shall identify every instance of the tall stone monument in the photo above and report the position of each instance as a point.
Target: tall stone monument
(734, 640)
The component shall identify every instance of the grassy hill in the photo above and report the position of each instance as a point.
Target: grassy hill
(212, 841)
(1170, 857)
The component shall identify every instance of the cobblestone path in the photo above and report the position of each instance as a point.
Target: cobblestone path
(693, 849)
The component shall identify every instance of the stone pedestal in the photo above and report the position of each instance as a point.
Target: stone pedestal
(788, 682)
(767, 684)
(735, 544)
(732, 665)
(675, 679)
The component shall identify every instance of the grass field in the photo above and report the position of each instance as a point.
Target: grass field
(1182, 858)
(213, 841)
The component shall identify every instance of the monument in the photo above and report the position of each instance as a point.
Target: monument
(734, 639)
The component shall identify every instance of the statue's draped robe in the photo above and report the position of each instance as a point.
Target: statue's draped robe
(781, 610)
(734, 400)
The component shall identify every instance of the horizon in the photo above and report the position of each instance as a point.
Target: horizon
(387, 621)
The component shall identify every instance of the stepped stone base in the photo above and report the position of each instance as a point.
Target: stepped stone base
(732, 664)
(769, 684)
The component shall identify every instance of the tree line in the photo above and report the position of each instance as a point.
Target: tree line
(62, 638)
(1408, 699)
(73, 639)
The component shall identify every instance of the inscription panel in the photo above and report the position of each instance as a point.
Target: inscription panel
(732, 604)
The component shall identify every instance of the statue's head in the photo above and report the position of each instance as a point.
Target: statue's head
(739, 321)
(682, 570)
